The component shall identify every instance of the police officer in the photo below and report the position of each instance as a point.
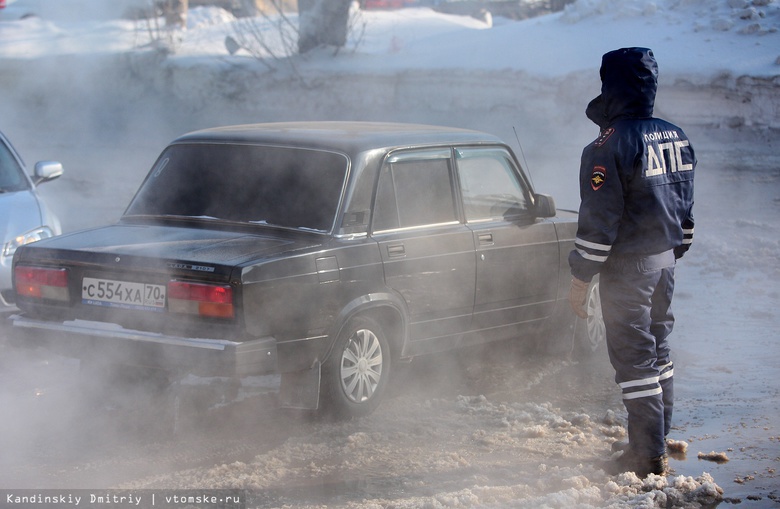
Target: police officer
(636, 190)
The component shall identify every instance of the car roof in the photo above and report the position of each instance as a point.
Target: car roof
(350, 137)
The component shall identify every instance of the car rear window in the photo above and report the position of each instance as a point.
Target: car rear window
(280, 186)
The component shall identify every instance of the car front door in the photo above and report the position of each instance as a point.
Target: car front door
(517, 253)
(427, 251)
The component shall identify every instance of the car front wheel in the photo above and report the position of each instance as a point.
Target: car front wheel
(355, 375)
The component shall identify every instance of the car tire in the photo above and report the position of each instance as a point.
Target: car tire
(355, 374)
(591, 333)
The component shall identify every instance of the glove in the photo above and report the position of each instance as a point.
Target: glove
(577, 294)
(679, 251)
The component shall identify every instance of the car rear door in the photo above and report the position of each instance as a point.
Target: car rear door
(427, 251)
(517, 253)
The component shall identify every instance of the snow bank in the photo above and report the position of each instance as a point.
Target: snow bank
(521, 455)
(739, 16)
(715, 70)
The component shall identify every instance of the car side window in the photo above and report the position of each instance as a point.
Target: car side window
(415, 190)
(490, 183)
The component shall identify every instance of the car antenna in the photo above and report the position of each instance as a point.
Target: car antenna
(522, 153)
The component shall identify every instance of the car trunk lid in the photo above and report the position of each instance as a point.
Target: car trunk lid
(145, 276)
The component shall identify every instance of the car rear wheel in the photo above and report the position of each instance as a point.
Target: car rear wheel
(356, 373)
(594, 335)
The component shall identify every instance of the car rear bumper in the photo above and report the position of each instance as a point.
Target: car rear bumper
(111, 343)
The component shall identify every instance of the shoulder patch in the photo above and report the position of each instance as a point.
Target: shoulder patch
(597, 177)
(604, 136)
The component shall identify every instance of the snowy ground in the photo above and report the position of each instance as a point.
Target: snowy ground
(484, 429)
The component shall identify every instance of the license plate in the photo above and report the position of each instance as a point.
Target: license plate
(122, 294)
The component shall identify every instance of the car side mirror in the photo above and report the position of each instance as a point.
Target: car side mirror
(46, 171)
(544, 205)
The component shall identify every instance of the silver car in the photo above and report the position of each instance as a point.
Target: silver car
(24, 217)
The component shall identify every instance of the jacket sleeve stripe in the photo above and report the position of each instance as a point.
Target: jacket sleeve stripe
(592, 251)
(593, 245)
(592, 257)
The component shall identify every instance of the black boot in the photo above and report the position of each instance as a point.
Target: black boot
(619, 446)
(629, 461)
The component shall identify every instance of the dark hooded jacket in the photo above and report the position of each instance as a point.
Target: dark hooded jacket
(636, 178)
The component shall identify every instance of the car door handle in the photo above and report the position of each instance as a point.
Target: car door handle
(395, 251)
(485, 238)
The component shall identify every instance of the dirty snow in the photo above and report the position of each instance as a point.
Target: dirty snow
(503, 430)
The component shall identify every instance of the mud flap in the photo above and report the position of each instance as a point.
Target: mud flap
(301, 389)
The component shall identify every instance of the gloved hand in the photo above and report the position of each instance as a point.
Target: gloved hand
(577, 295)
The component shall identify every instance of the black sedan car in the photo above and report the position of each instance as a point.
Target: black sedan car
(324, 252)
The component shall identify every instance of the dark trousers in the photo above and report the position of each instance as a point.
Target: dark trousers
(636, 298)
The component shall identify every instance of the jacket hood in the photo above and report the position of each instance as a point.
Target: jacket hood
(629, 80)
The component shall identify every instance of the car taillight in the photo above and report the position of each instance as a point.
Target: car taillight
(215, 301)
(42, 283)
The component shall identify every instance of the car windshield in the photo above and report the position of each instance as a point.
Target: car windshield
(288, 187)
(11, 174)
